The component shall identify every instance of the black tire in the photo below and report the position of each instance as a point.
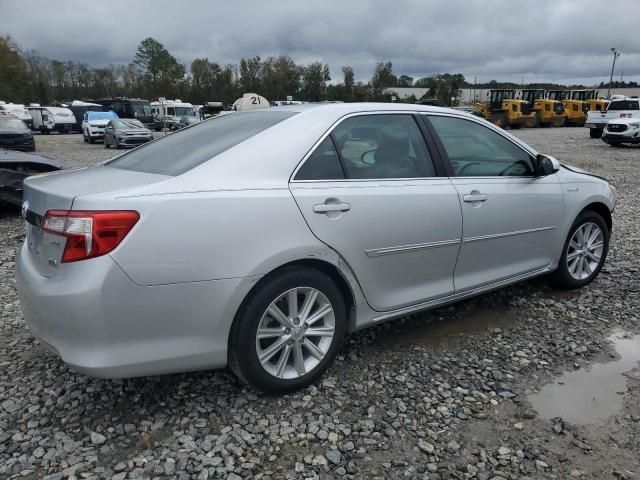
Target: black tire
(243, 357)
(84, 138)
(499, 119)
(561, 278)
(106, 144)
(117, 145)
(595, 132)
(91, 141)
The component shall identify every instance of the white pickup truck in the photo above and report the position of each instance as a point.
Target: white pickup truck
(619, 107)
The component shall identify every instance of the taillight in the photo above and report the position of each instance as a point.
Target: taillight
(89, 233)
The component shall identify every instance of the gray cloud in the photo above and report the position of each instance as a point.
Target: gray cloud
(540, 40)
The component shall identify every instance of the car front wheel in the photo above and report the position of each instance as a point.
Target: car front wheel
(289, 331)
(585, 251)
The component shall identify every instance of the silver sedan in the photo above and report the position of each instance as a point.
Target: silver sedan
(258, 240)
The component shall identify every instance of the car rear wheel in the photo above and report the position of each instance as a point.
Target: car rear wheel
(289, 331)
(585, 251)
(106, 143)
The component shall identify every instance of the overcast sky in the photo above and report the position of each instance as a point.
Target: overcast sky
(563, 41)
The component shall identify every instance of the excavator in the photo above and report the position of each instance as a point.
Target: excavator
(548, 113)
(596, 104)
(575, 111)
(505, 110)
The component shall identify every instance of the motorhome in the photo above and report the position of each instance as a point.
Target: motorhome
(52, 119)
(168, 113)
(17, 110)
(129, 108)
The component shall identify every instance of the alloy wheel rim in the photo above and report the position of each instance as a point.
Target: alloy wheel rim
(295, 333)
(584, 251)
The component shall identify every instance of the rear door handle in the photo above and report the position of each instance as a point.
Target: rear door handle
(331, 207)
(475, 197)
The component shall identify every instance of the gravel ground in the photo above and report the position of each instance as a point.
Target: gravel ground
(441, 395)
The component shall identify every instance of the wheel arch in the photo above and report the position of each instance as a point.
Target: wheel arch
(324, 266)
(602, 210)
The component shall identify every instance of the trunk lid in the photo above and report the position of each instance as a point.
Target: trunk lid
(57, 191)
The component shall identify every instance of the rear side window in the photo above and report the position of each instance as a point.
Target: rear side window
(383, 146)
(188, 148)
(624, 105)
(323, 164)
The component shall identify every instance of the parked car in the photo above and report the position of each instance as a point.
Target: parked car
(94, 123)
(126, 133)
(619, 107)
(621, 131)
(17, 110)
(258, 239)
(15, 167)
(15, 134)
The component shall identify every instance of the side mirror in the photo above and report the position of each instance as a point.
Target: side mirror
(547, 165)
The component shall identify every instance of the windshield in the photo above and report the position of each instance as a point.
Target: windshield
(623, 105)
(190, 147)
(141, 109)
(12, 123)
(184, 111)
(101, 115)
(129, 124)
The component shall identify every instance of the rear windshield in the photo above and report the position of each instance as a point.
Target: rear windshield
(188, 148)
(623, 105)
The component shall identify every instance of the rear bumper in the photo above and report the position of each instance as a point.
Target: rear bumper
(102, 324)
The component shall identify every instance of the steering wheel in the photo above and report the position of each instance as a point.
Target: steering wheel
(521, 162)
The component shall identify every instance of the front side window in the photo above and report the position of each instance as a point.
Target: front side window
(383, 146)
(477, 151)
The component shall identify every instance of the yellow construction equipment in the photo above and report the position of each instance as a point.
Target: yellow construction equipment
(575, 111)
(505, 110)
(590, 96)
(547, 112)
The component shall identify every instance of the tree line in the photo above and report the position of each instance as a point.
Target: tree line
(27, 76)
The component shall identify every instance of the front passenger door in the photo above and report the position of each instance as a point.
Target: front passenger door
(511, 216)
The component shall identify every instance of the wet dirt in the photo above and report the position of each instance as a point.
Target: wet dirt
(441, 327)
(590, 396)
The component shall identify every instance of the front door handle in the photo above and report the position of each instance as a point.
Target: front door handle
(331, 207)
(475, 197)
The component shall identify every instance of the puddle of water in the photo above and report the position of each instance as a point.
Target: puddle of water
(429, 330)
(592, 395)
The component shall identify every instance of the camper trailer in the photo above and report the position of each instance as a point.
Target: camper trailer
(52, 119)
(79, 108)
(169, 112)
(17, 110)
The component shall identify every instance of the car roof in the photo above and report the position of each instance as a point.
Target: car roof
(341, 109)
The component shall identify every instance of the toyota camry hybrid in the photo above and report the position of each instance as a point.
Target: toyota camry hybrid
(257, 240)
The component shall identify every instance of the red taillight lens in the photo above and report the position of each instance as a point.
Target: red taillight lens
(89, 233)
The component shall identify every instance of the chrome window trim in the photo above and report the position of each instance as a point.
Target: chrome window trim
(292, 177)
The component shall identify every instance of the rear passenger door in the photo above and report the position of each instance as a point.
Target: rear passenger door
(371, 190)
(511, 216)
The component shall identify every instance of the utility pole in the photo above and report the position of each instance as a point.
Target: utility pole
(616, 54)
